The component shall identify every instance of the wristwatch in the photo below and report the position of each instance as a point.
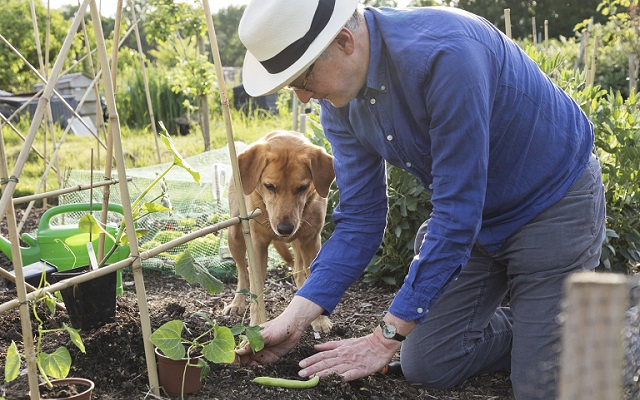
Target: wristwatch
(390, 332)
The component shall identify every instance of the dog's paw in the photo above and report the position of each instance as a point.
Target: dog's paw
(234, 309)
(322, 324)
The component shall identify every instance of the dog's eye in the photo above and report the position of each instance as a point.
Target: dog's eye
(270, 187)
(302, 188)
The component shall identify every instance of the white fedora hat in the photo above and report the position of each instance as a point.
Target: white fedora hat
(284, 37)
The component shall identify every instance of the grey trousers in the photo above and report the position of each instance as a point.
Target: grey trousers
(467, 332)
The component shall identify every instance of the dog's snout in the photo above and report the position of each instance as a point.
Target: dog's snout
(285, 229)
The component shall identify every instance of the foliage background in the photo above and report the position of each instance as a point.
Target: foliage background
(183, 86)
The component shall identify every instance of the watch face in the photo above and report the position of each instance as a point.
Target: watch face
(388, 331)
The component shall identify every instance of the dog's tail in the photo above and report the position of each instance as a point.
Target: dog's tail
(283, 249)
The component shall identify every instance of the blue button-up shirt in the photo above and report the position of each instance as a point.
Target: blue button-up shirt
(453, 101)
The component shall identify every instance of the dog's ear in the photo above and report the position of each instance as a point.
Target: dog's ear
(251, 163)
(322, 171)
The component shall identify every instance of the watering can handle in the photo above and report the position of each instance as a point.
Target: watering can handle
(77, 207)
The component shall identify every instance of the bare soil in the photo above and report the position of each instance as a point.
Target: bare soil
(115, 358)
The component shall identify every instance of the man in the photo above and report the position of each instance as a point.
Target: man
(517, 194)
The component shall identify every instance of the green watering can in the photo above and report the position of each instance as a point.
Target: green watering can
(47, 243)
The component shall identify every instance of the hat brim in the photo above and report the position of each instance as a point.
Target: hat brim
(258, 81)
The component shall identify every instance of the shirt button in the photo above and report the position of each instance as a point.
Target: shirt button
(383, 87)
(430, 186)
(408, 164)
(420, 310)
(389, 137)
(372, 101)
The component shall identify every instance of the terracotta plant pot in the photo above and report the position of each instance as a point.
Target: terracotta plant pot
(79, 389)
(170, 374)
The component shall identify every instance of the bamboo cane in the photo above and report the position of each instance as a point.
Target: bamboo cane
(58, 192)
(136, 267)
(108, 166)
(254, 275)
(145, 255)
(25, 321)
(46, 81)
(49, 116)
(143, 70)
(6, 203)
(535, 32)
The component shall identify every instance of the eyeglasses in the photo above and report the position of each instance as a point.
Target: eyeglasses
(305, 80)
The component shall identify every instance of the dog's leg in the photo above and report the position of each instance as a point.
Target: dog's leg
(238, 249)
(304, 254)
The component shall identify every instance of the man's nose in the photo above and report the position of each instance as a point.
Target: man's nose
(303, 95)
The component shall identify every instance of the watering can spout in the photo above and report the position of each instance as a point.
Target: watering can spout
(29, 254)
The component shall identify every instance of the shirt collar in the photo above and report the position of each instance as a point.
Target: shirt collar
(376, 76)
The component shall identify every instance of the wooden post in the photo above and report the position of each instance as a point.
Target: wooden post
(507, 22)
(546, 35)
(535, 32)
(295, 105)
(592, 340)
(633, 73)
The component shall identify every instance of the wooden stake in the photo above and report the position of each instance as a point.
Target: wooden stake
(507, 22)
(254, 274)
(136, 267)
(592, 341)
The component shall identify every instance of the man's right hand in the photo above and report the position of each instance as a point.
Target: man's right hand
(282, 333)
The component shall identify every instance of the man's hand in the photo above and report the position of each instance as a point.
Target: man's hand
(282, 333)
(350, 358)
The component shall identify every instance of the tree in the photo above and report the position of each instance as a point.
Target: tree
(561, 15)
(16, 26)
(226, 22)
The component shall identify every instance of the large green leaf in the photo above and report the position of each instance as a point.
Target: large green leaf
(256, 341)
(221, 349)
(168, 338)
(177, 158)
(74, 335)
(56, 364)
(187, 267)
(12, 363)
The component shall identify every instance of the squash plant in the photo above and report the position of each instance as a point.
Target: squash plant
(217, 344)
(56, 364)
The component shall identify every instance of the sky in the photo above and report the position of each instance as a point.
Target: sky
(108, 7)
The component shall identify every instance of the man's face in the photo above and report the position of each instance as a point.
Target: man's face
(330, 77)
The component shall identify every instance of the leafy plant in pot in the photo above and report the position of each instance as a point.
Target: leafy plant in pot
(53, 367)
(185, 357)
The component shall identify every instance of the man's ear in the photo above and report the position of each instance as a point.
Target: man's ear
(346, 41)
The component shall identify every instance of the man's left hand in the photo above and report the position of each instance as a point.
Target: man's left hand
(350, 358)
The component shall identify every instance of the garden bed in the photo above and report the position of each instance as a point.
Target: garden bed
(115, 357)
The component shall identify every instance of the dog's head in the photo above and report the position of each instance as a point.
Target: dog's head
(286, 170)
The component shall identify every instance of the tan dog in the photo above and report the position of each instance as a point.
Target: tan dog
(288, 178)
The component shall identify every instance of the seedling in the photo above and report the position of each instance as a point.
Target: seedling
(217, 344)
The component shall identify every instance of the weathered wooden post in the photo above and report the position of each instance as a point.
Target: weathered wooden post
(592, 340)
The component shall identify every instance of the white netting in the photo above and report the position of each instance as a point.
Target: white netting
(195, 205)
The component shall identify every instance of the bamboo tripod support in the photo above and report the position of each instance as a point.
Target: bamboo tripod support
(114, 149)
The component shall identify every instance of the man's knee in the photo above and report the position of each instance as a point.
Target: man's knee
(426, 370)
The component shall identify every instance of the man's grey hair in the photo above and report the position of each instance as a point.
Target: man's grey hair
(356, 18)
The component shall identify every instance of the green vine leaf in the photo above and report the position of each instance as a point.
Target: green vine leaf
(187, 267)
(168, 338)
(220, 349)
(12, 363)
(56, 364)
